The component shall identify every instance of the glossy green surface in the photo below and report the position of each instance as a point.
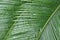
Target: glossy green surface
(29, 19)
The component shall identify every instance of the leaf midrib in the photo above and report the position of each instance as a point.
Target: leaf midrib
(45, 25)
(40, 33)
